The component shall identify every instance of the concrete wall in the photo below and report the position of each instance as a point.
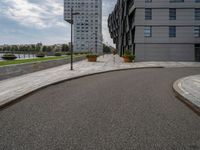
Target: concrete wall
(164, 52)
(17, 70)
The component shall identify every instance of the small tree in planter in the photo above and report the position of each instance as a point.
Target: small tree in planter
(91, 57)
(114, 52)
(9, 56)
(40, 55)
(58, 54)
(128, 57)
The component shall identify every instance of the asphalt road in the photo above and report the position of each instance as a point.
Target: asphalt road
(126, 110)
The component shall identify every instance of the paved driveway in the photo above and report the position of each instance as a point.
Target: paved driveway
(134, 110)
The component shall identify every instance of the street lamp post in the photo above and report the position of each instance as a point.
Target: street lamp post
(72, 21)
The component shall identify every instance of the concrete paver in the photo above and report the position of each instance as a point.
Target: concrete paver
(188, 89)
(14, 88)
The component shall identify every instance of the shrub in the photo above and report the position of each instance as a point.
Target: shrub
(76, 53)
(128, 55)
(40, 54)
(68, 53)
(84, 53)
(92, 55)
(9, 57)
(131, 57)
(58, 54)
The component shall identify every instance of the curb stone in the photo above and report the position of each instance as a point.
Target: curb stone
(185, 97)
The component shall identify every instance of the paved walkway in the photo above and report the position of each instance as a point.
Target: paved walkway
(14, 88)
(188, 89)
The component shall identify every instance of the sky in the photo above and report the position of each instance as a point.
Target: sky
(33, 21)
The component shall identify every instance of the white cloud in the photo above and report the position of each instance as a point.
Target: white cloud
(43, 14)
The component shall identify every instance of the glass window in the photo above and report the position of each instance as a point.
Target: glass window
(197, 31)
(172, 14)
(147, 31)
(148, 1)
(172, 31)
(197, 14)
(148, 13)
(175, 1)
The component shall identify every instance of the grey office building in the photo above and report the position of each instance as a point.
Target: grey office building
(157, 30)
(87, 25)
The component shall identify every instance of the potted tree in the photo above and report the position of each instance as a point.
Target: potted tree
(114, 52)
(9, 56)
(92, 57)
(128, 57)
(40, 55)
(57, 53)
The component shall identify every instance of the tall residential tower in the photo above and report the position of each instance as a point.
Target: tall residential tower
(154, 30)
(87, 25)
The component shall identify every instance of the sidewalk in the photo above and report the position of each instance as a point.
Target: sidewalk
(14, 88)
(188, 89)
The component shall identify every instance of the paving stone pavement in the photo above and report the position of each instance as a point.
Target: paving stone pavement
(14, 88)
(188, 89)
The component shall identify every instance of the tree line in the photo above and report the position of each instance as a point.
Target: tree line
(34, 48)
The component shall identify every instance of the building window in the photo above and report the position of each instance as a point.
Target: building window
(197, 31)
(197, 14)
(148, 1)
(172, 14)
(147, 31)
(172, 31)
(175, 1)
(148, 13)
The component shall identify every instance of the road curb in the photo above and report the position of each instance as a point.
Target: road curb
(180, 94)
(19, 98)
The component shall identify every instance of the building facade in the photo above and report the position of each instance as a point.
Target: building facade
(157, 30)
(87, 25)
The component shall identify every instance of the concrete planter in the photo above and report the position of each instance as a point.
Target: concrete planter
(127, 59)
(40, 55)
(9, 57)
(92, 58)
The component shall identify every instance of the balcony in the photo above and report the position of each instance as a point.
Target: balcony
(130, 3)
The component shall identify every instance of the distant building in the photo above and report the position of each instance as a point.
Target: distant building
(154, 30)
(87, 25)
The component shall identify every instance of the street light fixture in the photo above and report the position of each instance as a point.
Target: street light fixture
(72, 22)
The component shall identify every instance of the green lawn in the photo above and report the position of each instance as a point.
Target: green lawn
(22, 61)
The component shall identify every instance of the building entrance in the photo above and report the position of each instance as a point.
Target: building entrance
(197, 52)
